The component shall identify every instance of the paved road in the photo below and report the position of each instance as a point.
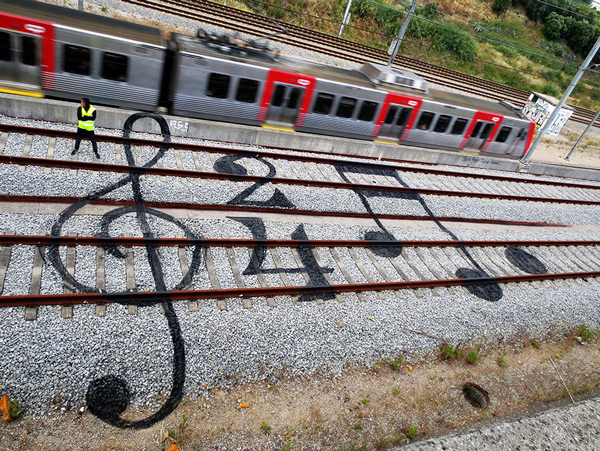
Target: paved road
(573, 427)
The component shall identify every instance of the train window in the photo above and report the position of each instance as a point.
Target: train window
(277, 99)
(442, 124)
(367, 111)
(294, 98)
(247, 90)
(29, 55)
(77, 59)
(389, 117)
(425, 120)
(114, 67)
(403, 117)
(218, 85)
(503, 134)
(475, 131)
(459, 126)
(5, 50)
(346, 107)
(323, 103)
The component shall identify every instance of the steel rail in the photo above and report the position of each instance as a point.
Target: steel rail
(278, 155)
(49, 240)
(178, 295)
(252, 209)
(183, 173)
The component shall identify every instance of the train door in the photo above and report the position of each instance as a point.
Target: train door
(20, 58)
(285, 103)
(395, 121)
(479, 135)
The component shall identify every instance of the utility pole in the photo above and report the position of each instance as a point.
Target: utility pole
(586, 65)
(80, 5)
(402, 31)
(582, 135)
(346, 18)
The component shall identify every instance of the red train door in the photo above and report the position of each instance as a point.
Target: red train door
(286, 98)
(27, 52)
(482, 130)
(397, 116)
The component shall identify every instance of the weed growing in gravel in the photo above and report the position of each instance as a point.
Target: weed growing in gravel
(397, 363)
(395, 390)
(265, 427)
(365, 401)
(535, 343)
(15, 409)
(473, 356)
(412, 431)
(501, 361)
(358, 426)
(585, 334)
(178, 434)
(448, 352)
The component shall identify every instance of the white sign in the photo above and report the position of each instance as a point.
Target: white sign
(539, 109)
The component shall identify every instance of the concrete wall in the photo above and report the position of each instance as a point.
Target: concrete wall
(114, 118)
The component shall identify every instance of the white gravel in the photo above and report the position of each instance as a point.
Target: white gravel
(49, 363)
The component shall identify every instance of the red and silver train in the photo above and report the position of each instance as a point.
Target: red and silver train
(52, 51)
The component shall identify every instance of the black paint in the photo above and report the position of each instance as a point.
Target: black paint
(109, 396)
(488, 291)
(492, 291)
(228, 165)
(525, 261)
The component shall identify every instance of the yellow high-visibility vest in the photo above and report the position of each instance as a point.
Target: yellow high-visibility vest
(87, 125)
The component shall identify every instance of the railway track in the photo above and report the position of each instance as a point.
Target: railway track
(66, 270)
(256, 25)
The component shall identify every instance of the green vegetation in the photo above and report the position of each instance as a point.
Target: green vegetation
(501, 361)
(535, 343)
(586, 333)
(472, 357)
(265, 427)
(412, 431)
(15, 409)
(526, 44)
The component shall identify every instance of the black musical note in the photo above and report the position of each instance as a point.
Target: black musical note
(109, 396)
(490, 291)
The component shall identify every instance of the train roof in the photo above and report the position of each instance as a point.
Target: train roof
(195, 46)
(86, 21)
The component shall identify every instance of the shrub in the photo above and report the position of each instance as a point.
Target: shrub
(501, 6)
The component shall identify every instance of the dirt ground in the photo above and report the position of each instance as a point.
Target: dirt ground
(553, 149)
(367, 408)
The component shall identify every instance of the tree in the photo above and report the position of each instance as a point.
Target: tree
(555, 27)
(501, 6)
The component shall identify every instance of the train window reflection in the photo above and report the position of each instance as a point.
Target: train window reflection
(323, 103)
(77, 59)
(114, 67)
(29, 54)
(475, 131)
(218, 85)
(403, 117)
(425, 120)
(247, 90)
(442, 124)
(389, 118)
(346, 107)
(5, 50)
(367, 111)
(294, 97)
(459, 126)
(503, 134)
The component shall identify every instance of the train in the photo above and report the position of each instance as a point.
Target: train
(57, 52)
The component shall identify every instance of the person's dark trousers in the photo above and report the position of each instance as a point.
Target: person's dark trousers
(88, 134)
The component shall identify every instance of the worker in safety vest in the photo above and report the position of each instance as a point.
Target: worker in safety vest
(85, 129)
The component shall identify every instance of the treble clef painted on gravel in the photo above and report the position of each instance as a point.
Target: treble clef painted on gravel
(109, 396)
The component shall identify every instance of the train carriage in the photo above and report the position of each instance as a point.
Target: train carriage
(69, 54)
